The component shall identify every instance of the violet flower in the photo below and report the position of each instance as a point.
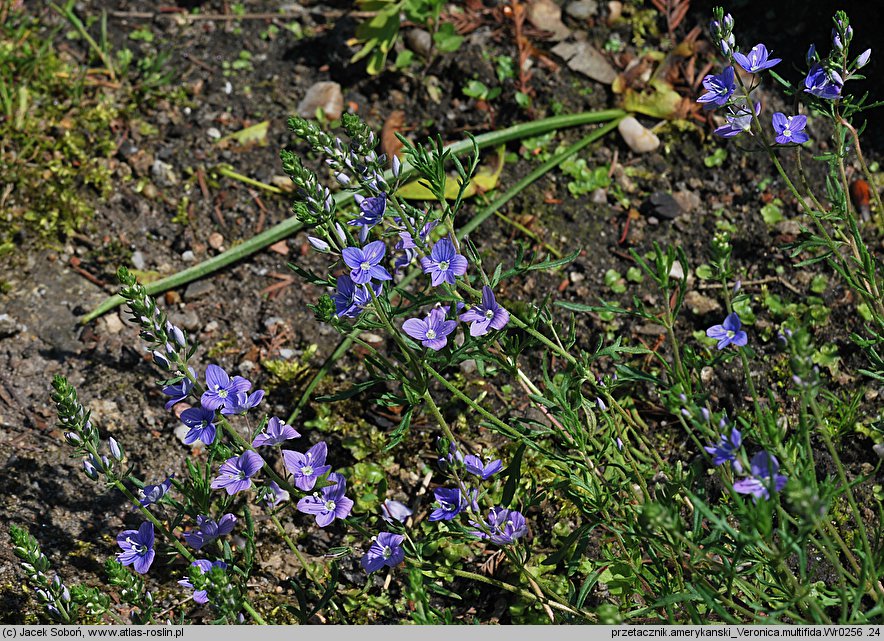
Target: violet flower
(276, 495)
(307, 468)
(394, 511)
(207, 530)
(331, 505)
(371, 212)
(444, 263)
(739, 120)
(488, 314)
(236, 472)
(151, 494)
(726, 448)
(365, 263)
(757, 60)
(201, 422)
(433, 331)
(728, 332)
(823, 84)
(220, 387)
(475, 466)
(719, 89)
(351, 298)
(201, 596)
(242, 402)
(504, 526)
(137, 546)
(765, 468)
(451, 503)
(180, 390)
(275, 432)
(386, 549)
(790, 129)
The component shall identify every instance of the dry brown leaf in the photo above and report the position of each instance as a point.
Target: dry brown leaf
(390, 144)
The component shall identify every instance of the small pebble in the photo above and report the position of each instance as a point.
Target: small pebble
(640, 139)
(188, 256)
(216, 240)
(325, 95)
(138, 260)
(113, 323)
(213, 133)
(172, 297)
(582, 9)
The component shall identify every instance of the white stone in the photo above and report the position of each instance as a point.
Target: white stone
(639, 139)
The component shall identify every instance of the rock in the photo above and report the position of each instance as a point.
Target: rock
(188, 256)
(639, 139)
(198, 289)
(216, 240)
(547, 15)
(286, 353)
(138, 260)
(663, 205)
(211, 326)
(676, 271)
(700, 304)
(188, 319)
(582, 9)
(615, 11)
(324, 95)
(163, 174)
(599, 196)
(788, 228)
(113, 323)
(8, 326)
(707, 374)
(687, 200)
(584, 58)
(419, 41)
(213, 133)
(104, 412)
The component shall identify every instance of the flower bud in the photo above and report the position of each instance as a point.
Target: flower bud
(836, 41)
(161, 361)
(811, 56)
(397, 164)
(318, 244)
(728, 23)
(116, 450)
(65, 594)
(342, 178)
(705, 413)
(176, 334)
(863, 59)
(72, 439)
(601, 404)
(90, 470)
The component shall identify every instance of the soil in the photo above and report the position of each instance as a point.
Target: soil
(248, 313)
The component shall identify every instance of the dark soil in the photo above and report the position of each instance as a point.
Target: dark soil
(241, 320)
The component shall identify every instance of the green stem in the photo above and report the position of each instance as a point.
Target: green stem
(292, 226)
(252, 613)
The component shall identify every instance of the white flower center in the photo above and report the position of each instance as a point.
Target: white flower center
(730, 333)
(330, 506)
(443, 265)
(388, 552)
(222, 393)
(787, 132)
(431, 334)
(365, 265)
(307, 470)
(489, 314)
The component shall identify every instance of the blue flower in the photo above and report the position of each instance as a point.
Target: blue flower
(488, 314)
(371, 212)
(274, 433)
(207, 530)
(201, 422)
(351, 298)
(202, 596)
(331, 505)
(137, 546)
(790, 129)
(386, 549)
(220, 387)
(719, 89)
(180, 390)
(444, 263)
(757, 60)
(433, 331)
(728, 332)
(242, 402)
(151, 494)
(451, 503)
(236, 472)
(726, 449)
(504, 526)
(739, 120)
(395, 511)
(765, 477)
(823, 84)
(307, 468)
(475, 466)
(365, 263)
